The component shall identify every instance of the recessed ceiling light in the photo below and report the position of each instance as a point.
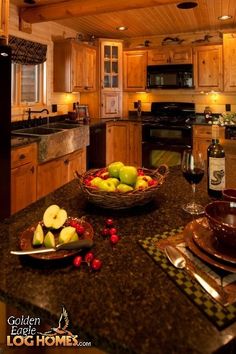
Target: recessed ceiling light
(224, 17)
(121, 28)
(30, 2)
(187, 5)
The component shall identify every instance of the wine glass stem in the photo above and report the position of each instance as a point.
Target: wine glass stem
(194, 192)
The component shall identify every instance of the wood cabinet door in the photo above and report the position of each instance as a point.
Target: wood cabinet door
(89, 59)
(135, 70)
(202, 138)
(208, 67)
(77, 162)
(51, 175)
(111, 104)
(4, 17)
(201, 145)
(135, 142)
(23, 186)
(77, 67)
(117, 142)
(181, 55)
(158, 56)
(229, 47)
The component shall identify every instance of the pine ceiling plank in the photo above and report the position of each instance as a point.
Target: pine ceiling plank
(74, 8)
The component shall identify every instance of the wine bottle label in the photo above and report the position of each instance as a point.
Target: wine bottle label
(217, 173)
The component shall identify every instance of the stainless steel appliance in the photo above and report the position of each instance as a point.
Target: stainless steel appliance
(170, 76)
(166, 133)
(5, 131)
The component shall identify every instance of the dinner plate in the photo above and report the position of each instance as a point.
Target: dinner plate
(26, 237)
(188, 236)
(204, 237)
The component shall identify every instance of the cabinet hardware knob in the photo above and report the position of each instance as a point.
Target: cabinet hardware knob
(66, 162)
(32, 169)
(22, 156)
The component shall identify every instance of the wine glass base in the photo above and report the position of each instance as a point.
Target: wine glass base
(193, 208)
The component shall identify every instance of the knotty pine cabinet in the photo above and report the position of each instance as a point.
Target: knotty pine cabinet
(208, 68)
(229, 51)
(74, 67)
(23, 176)
(202, 137)
(110, 78)
(175, 55)
(55, 173)
(4, 18)
(201, 141)
(135, 70)
(123, 143)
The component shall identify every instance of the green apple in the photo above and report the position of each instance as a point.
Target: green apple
(128, 175)
(66, 234)
(96, 181)
(113, 180)
(145, 178)
(124, 188)
(107, 186)
(74, 237)
(49, 240)
(38, 236)
(54, 217)
(141, 184)
(114, 169)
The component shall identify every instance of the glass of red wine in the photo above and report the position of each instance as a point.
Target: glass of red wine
(193, 165)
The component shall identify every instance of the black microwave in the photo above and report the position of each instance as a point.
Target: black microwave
(170, 76)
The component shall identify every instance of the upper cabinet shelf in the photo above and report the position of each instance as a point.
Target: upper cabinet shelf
(74, 67)
(135, 70)
(229, 50)
(174, 55)
(208, 68)
(4, 18)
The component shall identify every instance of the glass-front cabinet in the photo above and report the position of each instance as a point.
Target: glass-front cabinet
(111, 78)
(111, 66)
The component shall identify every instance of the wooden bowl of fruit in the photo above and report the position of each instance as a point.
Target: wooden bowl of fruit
(118, 186)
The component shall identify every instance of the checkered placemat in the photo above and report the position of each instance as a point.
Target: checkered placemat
(220, 315)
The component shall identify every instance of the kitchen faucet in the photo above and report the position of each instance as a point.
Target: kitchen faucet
(43, 110)
(30, 111)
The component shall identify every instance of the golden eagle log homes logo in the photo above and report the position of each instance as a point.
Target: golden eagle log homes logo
(24, 331)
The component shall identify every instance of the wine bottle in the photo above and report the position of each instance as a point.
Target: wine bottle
(216, 165)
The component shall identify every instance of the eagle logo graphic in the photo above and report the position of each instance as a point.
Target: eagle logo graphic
(63, 324)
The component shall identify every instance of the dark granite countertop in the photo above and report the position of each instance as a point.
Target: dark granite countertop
(130, 305)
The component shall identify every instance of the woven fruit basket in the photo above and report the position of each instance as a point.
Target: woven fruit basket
(118, 200)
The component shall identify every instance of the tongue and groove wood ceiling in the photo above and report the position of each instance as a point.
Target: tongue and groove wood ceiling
(142, 17)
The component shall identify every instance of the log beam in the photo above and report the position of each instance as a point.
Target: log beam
(78, 8)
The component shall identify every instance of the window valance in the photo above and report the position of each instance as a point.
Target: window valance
(27, 52)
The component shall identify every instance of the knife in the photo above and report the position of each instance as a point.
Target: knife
(81, 244)
(179, 261)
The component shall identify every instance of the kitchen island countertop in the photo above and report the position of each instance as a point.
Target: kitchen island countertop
(130, 305)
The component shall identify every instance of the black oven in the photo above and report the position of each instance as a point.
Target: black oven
(166, 133)
(164, 144)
